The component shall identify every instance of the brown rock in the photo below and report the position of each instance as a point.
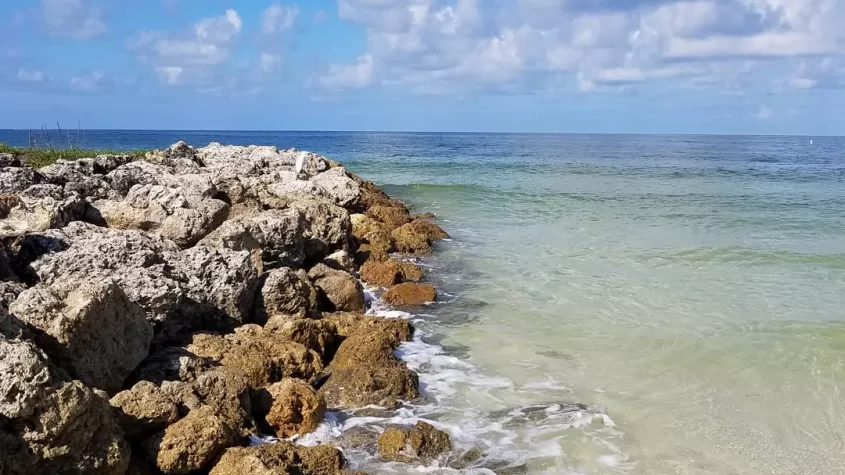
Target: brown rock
(316, 335)
(292, 407)
(389, 272)
(346, 324)
(412, 444)
(227, 393)
(361, 386)
(374, 233)
(410, 294)
(144, 409)
(369, 349)
(281, 458)
(417, 236)
(391, 216)
(172, 364)
(286, 293)
(7, 203)
(191, 443)
(340, 290)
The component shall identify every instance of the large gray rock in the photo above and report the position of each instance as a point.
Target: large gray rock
(17, 179)
(90, 327)
(337, 185)
(144, 409)
(286, 293)
(40, 214)
(51, 424)
(124, 177)
(277, 234)
(326, 227)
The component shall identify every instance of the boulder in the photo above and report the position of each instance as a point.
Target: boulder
(392, 216)
(346, 324)
(90, 327)
(286, 294)
(50, 424)
(262, 358)
(326, 226)
(410, 294)
(276, 234)
(172, 364)
(40, 214)
(291, 407)
(340, 260)
(369, 348)
(380, 386)
(192, 443)
(227, 392)
(316, 335)
(370, 231)
(140, 172)
(340, 290)
(144, 409)
(422, 442)
(281, 458)
(336, 184)
(417, 236)
(7, 203)
(17, 179)
(389, 272)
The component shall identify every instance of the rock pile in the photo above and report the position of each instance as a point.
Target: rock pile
(156, 312)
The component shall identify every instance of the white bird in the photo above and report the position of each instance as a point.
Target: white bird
(300, 162)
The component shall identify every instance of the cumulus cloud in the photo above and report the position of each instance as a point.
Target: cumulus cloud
(598, 45)
(31, 75)
(278, 18)
(79, 19)
(193, 53)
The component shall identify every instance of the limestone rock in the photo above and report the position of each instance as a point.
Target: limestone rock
(192, 443)
(337, 185)
(90, 327)
(392, 216)
(346, 324)
(375, 233)
(292, 407)
(411, 444)
(417, 236)
(286, 293)
(8, 202)
(341, 290)
(227, 392)
(17, 179)
(369, 349)
(25, 377)
(281, 458)
(40, 214)
(140, 172)
(144, 409)
(389, 272)
(326, 226)
(277, 234)
(410, 294)
(361, 386)
(316, 335)
(172, 364)
(340, 260)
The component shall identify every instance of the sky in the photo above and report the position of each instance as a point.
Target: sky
(634, 66)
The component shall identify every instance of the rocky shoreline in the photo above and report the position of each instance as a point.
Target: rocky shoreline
(167, 314)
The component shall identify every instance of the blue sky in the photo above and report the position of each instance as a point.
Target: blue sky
(653, 66)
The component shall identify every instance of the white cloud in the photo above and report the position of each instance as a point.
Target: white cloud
(79, 19)
(356, 75)
(190, 54)
(277, 19)
(269, 63)
(764, 113)
(90, 82)
(31, 75)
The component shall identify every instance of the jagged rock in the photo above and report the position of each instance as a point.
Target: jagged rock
(227, 392)
(104, 164)
(412, 444)
(51, 424)
(278, 234)
(7, 203)
(326, 226)
(263, 359)
(338, 187)
(183, 395)
(281, 458)
(341, 290)
(287, 294)
(220, 288)
(40, 214)
(9, 160)
(389, 272)
(359, 437)
(346, 324)
(340, 260)
(315, 335)
(78, 176)
(192, 443)
(172, 364)
(17, 179)
(367, 230)
(144, 409)
(392, 216)
(370, 349)
(140, 172)
(291, 407)
(176, 214)
(415, 237)
(90, 327)
(361, 386)
(410, 294)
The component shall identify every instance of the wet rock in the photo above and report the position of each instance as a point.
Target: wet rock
(341, 290)
(466, 459)
(389, 272)
(262, 358)
(144, 409)
(51, 424)
(360, 386)
(412, 444)
(277, 234)
(370, 349)
(90, 327)
(286, 294)
(347, 324)
(316, 335)
(360, 437)
(392, 216)
(410, 294)
(220, 289)
(192, 443)
(291, 407)
(281, 458)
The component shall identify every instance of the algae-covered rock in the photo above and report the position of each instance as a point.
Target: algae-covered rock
(389, 272)
(410, 294)
(362, 386)
(412, 444)
(193, 443)
(341, 290)
(281, 458)
(286, 294)
(291, 407)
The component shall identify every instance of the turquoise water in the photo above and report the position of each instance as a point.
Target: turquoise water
(687, 291)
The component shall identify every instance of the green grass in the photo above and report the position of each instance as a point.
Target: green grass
(39, 157)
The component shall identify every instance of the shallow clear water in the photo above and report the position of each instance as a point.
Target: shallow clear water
(689, 291)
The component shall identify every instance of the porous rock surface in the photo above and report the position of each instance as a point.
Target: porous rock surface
(184, 301)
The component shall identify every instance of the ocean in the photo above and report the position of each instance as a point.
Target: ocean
(614, 304)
